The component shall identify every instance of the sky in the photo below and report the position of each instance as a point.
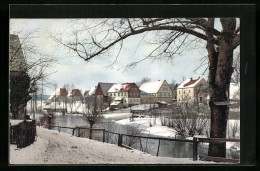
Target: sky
(69, 68)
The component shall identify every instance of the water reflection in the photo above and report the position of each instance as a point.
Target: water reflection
(167, 148)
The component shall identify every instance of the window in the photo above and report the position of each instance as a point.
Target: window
(164, 94)
(179, 92)
(183, 91)
(189, 91)
(200, 99)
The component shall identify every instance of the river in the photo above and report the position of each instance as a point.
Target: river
(167, 148)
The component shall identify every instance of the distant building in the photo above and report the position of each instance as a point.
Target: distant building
(153, 92)
(102, 93)
(75, 95)
(85, 93)
(124, 95)
(60, 95)
(192, 91)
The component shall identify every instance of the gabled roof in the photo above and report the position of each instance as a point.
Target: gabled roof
(59, 92)
(91, 92)
(75, 92)
(123, 87)
(189, 83)
(105, 87)
(151, 87)
(86, 92)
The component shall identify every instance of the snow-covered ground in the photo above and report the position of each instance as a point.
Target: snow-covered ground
(112, 115)
(53, 147)
(144, 125)
(163, 131)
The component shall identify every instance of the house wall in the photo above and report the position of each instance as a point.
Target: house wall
(163, 94)
(193, 94)
(132, 97)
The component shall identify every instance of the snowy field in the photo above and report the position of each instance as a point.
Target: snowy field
(53, 147)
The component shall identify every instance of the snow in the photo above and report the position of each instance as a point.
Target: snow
(151, 87)
(144, 125)
(123, 87)
(234, 91)
(92, 91)
(116, 115)
(189, 86)
(53, 147)
(15, 122)
(115, 103)
(53, 94)
(144, 106)
(75, 107)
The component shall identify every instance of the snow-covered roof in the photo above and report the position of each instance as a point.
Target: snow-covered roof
(123, 87)
(105, 87)
(58, 92)
(118, 98)
(189, 83)
(15, 122)
(151, 87)
(115, 102)
(92, 91)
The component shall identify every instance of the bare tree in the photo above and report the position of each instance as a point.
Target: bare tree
(172, 36)
(69, 87)
(144, 80)
(91, 114)
(25, 58)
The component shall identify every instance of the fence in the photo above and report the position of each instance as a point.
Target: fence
(23, 134)
(118, 138)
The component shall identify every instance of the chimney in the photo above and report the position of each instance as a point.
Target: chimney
(190, 78)
(158, 80)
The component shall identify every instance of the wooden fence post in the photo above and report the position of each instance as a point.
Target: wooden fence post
(195, 149)
(158, 147)
(78, 132)
(73, 131)
(120, 138)
(141, 144)
(103, 135)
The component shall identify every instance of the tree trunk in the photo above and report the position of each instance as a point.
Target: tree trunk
(220, 72)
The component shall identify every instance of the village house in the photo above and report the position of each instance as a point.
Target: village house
(124, 95)
(153, 92)
(192, 91)
(60, 95)
(101, 93)
(75, 95)
(18, 72)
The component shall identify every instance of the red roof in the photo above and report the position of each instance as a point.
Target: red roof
(191, 82)
(75, 92)
(63, 92)
(124, 87)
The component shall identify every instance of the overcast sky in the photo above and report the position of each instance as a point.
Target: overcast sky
(72, 69)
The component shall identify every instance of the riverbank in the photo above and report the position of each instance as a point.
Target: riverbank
(53, 147)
